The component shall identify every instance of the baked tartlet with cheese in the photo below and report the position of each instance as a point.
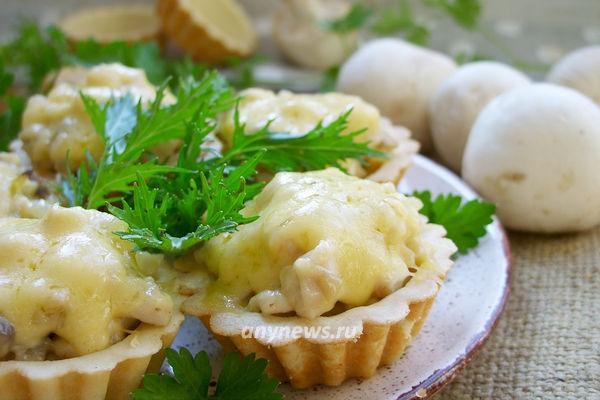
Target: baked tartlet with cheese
(297, 114)
(57, 125)
(332, 253)
(77, 318)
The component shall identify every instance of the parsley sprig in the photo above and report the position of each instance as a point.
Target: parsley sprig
(464, 222)
(357, 16)
(173, 215)
(171, 208)
(240, 378)
(130, 132)
(321, 147)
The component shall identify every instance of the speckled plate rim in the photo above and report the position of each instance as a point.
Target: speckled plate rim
(432, 384)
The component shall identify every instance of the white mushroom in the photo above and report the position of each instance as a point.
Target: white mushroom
(300, 34)
(534, 151)
(399, 78)
(579, 70)
(456, 105)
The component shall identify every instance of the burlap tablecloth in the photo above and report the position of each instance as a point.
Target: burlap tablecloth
(547, 343)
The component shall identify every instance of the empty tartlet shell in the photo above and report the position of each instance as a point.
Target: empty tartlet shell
(110, 374)
(129, 23)
(384, 329)
(198, 36)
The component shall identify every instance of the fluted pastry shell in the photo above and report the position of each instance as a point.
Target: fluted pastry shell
(226, 32)
(400, 150)
(109, 374)
(383, 329)
(129, 23)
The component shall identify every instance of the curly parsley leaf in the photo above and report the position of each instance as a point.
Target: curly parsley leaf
(38, 50)
(172, 223)
(130, 133)
(172, 208)
(323, 146)
(465, 223)
(240, 378)
(245, 378)
(356, 18)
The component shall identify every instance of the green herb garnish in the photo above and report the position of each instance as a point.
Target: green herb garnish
(11, 109)
(240, 378)
(465, 223)
(171, 207)
(323, 146)
(129, 132)
(400, 19)
(356, 18)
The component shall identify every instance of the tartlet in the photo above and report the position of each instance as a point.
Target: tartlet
(296, 114)
(328, 251)
(78, 320)
(128, 23)
(208, 30)
(56, 125)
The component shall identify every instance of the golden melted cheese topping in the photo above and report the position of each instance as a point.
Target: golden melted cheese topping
(57, 124)
(299, 113)
(69, 287)
(322, 238)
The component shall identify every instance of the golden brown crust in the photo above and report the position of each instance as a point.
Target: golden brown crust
(108, 374)
(305, 364)
(201, 38)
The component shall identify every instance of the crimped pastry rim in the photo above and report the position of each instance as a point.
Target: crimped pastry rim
(398, 161)
(390, 310)
(145, 341)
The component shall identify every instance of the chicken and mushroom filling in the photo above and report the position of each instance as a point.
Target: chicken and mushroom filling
(324, 242)
(70, 287)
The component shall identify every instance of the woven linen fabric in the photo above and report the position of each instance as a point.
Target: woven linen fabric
(547, 343)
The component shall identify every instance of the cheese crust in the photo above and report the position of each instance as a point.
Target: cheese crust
(70, 287)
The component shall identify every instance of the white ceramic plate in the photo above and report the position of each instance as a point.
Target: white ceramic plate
(463, 316)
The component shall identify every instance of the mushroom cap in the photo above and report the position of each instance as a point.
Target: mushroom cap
(579, 70)
(300, 36)
(456, 105)
(399, 78)
(534, 151)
